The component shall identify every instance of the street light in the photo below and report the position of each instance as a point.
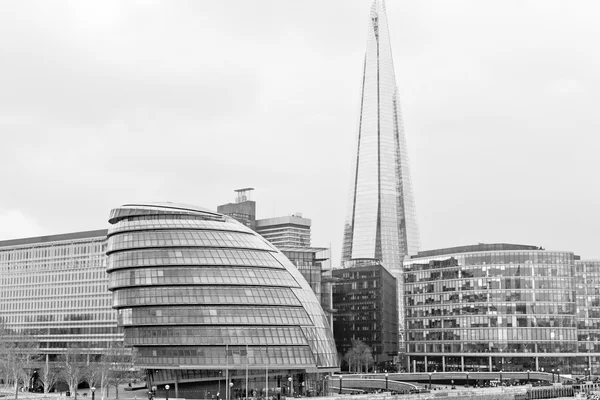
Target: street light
(467, 378)
(552, 375)
(167, 387)
(429, 380)
(230, 389)
(558, 374)
(386, 382)
(341, 377)
(219, 391)
(500, 377)
(93, 389)
(528, 377)
(291, 387)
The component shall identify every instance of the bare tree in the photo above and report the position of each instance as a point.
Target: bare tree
(49, 375)
(74, 368)
(359, 355)
(121, 360)
(17, 353)
(114, 367)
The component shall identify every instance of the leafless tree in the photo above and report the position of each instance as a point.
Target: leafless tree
(359, 355)
(17, 353)
(74, 368)
(49, 375)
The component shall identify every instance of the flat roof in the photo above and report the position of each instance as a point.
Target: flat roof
(477, 247)
(54, 238)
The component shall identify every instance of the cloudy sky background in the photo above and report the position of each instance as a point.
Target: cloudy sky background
(109, 102)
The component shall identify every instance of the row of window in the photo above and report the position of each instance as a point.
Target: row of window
(145, 225)
(164, 257)
(487, 272)
(510, 334)
(52, 251)
(491, 308)
(497, 257)
(542, 321)
(215, 335)
(547, 296)
(299, 356)
(214, 316)
(203, 295)
(521, 283)
(201, 276)
(486, 347)
(135, 240)
(148, 213)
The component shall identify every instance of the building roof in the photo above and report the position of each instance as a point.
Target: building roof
(475, 248)
(54, 238)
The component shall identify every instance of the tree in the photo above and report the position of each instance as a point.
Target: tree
(121, 360)
(49, 375)
(17, 355)
(359, 355)
(74, 368)
(114, 367)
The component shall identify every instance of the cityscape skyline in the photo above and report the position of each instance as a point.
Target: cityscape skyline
(486, 115)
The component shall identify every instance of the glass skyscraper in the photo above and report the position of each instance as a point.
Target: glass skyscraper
(381, 222)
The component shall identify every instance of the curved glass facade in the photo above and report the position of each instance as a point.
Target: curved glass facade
(489, 310)
(202, 291)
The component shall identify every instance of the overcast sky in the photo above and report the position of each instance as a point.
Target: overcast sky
(109, 102)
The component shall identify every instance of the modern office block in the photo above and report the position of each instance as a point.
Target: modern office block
(587, 288)
(287, 231)
(365, 301)
(501, 307)
(55, 289)
(244, 208)
(381, 222)
(203, 297)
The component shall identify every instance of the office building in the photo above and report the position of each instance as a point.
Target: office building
(287, 231)
(381, 222)
(55, 288)
(204, 298)
(244, 208)
(365, 301)
(501, 307)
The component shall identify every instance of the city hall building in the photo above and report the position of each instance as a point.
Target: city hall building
(204, 298)
(502, 307)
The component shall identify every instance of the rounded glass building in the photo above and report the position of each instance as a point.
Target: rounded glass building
(210, 305)
(491, 307)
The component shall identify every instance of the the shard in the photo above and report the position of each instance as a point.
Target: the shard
(381, 223)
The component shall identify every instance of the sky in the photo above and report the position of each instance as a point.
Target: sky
(104, 103)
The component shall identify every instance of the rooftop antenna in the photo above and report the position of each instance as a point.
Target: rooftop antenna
(243, 194)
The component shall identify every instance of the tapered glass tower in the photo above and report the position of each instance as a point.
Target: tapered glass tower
(381, 223)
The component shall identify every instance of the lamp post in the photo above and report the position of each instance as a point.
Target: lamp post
(528, 377)
(500, 377)
(386, 382)
(558, 374)
(429, 380)
(291, 387)
(167, 387)
(552, 375)
(219, 391)
(93, 389)
(467, 378)
(341, 378)
(586, 371)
